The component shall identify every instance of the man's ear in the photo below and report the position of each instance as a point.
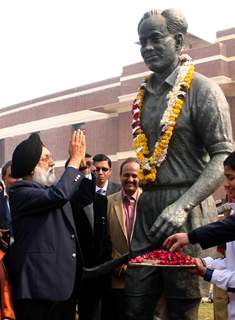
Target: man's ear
(110, 171)
(32, 172)
(179, 41)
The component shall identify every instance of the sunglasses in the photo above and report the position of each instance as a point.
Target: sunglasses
(103, 169)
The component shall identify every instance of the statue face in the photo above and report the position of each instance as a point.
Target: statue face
(158, 46)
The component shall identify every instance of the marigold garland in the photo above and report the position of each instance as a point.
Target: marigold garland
(149, 163)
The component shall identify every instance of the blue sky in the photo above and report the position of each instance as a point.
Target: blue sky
(53, 45)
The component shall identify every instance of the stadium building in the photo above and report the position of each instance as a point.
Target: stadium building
(103, 108)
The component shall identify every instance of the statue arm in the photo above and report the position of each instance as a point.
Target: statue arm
(174, 216)
(210, 179)
(211, 120)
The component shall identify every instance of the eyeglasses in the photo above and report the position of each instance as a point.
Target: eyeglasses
(103, 169)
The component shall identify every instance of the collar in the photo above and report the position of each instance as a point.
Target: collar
(104, 188)
(5, 194)
(170, 80)
(133, 197)
(89, 176)
(232, 205)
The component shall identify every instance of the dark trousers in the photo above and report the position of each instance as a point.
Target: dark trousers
(93, 300)
(142, 308)
(144, 287)
(27, 309)
(187, 309)
(89, 307)
(116, 304)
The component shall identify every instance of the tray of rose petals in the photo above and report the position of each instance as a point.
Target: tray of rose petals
(163, 258)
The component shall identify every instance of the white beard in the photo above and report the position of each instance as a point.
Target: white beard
(46, 178)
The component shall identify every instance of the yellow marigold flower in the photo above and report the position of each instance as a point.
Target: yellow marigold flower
(146, 151)
(177, 111)
(140, 156)
(169, 129)
(179, 104)
(168, 135)
(164, 142)
(177, 108)
(141, 176)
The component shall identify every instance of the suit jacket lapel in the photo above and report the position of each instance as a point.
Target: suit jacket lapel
(119, 210)
(68, 214)
(139, 193)
(109, 189)
(89, 212)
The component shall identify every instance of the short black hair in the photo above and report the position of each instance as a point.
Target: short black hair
(230, 161)
(5, 167)
(128, 160)
(102, 157)
(88, 155)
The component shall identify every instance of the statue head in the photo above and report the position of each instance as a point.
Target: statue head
(161, 37)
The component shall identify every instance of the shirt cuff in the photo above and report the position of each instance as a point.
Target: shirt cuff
(192, 236)
(220, 147)
(71, 166)
(208, 275)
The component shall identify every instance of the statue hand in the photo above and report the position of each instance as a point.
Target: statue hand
(169, 221)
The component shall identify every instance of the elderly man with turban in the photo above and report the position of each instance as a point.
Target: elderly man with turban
(44, 260)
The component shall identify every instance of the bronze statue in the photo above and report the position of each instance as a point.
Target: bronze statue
(182, 133)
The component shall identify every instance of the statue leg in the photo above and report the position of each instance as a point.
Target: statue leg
(182, 292)
(143, 289)
(183, 309)
(145, 285)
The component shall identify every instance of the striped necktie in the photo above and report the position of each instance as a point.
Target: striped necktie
(101, 191)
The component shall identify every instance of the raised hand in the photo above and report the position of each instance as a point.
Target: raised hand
(77, 148)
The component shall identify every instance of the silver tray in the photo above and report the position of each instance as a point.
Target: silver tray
(155, 263)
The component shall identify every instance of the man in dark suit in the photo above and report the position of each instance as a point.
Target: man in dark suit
(103, 170)
(3, 207)
(87, 167)
(44, 260)
(90, 216)
(8, 181)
